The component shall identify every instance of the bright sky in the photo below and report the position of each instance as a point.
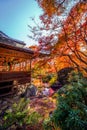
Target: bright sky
(15, 17)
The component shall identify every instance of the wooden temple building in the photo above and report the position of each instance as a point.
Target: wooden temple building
(15, 63)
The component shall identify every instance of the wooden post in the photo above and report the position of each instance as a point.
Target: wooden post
(30, 71)
(10, 66)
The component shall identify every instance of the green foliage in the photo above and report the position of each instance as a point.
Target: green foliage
(51, 78)
(46, 79)
(20, 115)
(71, 111)
(33, 118)
(48, 125)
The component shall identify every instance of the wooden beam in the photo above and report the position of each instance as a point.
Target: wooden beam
(13, 53)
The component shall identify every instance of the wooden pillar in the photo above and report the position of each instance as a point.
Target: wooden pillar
(10, 66)
(26, 65)
(30, 70)
(21, 66)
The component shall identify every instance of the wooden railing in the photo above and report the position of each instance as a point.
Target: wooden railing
(7, 79)
(11, 76)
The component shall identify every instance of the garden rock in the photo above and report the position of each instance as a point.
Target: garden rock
(31, 90)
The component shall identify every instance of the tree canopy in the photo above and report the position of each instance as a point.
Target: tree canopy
(63, 31)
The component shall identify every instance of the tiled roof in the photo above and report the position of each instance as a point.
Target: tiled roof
(3, 36)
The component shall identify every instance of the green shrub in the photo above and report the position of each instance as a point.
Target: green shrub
(50, 78)
(71, 111)
(20, 115)
(46, 78)
(53, 80)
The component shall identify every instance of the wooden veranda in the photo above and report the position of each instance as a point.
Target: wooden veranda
(15, 63)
